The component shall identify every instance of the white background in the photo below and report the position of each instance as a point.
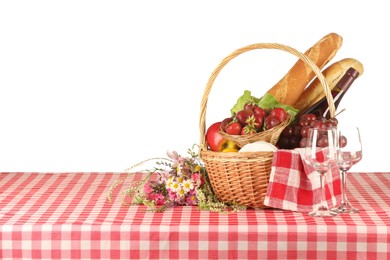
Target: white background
(102, 85)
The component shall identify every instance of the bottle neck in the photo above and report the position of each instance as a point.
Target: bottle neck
(341, 88)
(347, 80)
(321, 108)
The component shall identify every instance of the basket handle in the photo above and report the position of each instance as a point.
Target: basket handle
(314, 67)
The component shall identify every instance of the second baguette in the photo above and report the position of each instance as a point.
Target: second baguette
(333, 73)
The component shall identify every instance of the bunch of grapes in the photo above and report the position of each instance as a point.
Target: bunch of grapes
(295, 135)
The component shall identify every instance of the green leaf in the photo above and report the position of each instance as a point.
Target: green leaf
(241, 101)
(269, 102)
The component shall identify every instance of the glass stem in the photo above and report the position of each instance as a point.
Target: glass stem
(323, 192)
(343, 187)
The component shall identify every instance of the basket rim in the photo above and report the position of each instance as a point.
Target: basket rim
(236, 53)
(256, 154)
(241, 140)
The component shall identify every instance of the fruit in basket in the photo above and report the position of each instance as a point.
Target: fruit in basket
(260, 106)
(230, 150)
(279, 113)
(259, 111)
(217, 142)
(270, 122)
(225, 122)
(248, 130)
(233, 128)
(258, 121)
(245, 116)
(252, 119)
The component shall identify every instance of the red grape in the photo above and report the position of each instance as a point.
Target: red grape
(305, 130)
(297, 132)
(303, 142)
(283, 142)
(342, 141)
(294, 141)
(287, 132)
(322, 141)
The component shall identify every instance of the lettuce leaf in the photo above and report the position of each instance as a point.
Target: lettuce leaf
(267, 102)
(241, 101)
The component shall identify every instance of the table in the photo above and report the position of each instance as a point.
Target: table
(67, 216)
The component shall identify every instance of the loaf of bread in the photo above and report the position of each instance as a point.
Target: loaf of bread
(333, 73)
(291, 86)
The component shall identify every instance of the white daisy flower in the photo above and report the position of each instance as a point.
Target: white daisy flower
(187, 185)
(181, 192)
(175, 187)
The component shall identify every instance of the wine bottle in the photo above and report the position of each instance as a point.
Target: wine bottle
(321, 108)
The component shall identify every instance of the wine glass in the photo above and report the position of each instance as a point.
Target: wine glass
(321, 153)
(349, 153)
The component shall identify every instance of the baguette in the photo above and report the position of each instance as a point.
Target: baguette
(291, 86)
(333, 73)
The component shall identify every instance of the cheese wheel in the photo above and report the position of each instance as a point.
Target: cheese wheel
(258, 146)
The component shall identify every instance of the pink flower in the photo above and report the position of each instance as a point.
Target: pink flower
(147, 189)
(198, 179)
(195, 177)
(159, 199)
(177, 159)
(191, 198)
(163, 177)
(172, 195)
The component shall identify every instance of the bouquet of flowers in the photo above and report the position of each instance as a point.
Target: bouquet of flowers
(174, 181)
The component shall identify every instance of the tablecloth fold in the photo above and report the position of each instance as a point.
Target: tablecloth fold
(295, 185)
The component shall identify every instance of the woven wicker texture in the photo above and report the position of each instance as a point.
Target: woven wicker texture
(243, 178)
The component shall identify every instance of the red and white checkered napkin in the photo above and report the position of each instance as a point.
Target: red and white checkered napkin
(295, 185)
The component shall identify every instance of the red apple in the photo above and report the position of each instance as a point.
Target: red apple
(217, 142)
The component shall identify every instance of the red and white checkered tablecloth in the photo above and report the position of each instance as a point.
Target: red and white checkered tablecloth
(67, 216)
(295, 185)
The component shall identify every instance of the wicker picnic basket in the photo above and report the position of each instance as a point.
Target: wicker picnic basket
(242, 178)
